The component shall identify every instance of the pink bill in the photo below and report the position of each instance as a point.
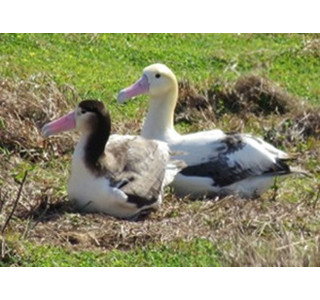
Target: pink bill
(138, 88)
(67, 122)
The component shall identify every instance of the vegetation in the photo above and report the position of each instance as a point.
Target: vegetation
(198, 253)
(259, 83)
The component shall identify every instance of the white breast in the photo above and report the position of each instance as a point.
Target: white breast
(93, 194)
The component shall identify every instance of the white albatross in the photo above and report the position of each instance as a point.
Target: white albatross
(121, 175)
(218, 163)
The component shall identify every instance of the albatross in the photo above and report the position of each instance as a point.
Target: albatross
(217, 163)
(122, 176)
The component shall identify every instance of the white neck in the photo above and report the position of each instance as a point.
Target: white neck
(78, 154)
(159, 121)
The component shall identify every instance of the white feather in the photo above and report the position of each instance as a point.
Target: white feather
(255, 157)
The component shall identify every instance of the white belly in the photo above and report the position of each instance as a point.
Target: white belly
(94, 194)
(199, 186)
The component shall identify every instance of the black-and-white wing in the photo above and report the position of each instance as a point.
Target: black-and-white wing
(138, 167)
(234, 157)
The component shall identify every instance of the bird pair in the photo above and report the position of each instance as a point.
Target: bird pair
(125, 175)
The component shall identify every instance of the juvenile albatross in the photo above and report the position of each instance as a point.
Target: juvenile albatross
(118, 175)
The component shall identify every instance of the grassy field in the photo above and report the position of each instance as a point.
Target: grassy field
(266, 84)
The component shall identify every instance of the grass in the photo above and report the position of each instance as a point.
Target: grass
(98, 65)
(259, 83)
(199, 253)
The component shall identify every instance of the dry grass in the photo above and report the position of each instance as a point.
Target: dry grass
(279, 229)
(313, 47)
(25, 107)
(250, 94)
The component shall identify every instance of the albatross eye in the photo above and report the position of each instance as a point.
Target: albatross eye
(158, 75)
(83, 111)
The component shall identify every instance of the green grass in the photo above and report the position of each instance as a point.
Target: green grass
(98, 66)
(199, 253)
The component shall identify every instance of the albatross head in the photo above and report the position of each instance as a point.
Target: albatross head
(157, 80)
(85, 117)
